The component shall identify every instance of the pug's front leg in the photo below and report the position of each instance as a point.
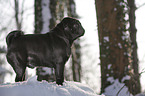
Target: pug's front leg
(59, 73)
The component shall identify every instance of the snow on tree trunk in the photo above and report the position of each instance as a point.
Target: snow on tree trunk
(47, 14)
(115, 48)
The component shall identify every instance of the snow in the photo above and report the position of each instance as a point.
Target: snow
(123, 37)
(141, 94)
(115, 9)
(106, 38)
(116, 88)
(110, 79)
(109, 66)
(119, 44)
(46, 71)
(127, 77)
(32, 87)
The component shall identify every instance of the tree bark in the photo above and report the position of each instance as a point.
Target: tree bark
(76, 62)
(38, 16)
(134, 56)
(114, 42)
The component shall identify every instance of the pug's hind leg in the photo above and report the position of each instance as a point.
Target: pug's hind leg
(18, 65)
(20, 74)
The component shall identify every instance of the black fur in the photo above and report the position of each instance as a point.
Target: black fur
(47, 50)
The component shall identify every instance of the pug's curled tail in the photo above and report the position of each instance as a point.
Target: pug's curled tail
(12, 35)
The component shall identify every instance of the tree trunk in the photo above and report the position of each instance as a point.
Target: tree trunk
(76, 61)
(76, 54)
(38, 16)
(134, 56)
(114, 42)
(17, 19)
(47, 14)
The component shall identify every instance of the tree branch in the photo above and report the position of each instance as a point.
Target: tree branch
(140, 6)
(120, 90)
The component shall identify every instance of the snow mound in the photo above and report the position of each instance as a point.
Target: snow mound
(141, 94)
(116, 89)
(32, 87)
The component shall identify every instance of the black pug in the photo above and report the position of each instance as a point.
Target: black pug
(43, 50)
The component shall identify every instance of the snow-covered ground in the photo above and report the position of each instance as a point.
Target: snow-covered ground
(116, 89)
(32, 87)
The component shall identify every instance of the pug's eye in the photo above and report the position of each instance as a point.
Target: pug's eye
(75, 25)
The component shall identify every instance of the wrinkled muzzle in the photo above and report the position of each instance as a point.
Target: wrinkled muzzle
(82, 31)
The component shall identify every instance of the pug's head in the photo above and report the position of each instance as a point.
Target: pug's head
(72, 28)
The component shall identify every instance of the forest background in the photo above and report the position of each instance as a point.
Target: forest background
(89, 43)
